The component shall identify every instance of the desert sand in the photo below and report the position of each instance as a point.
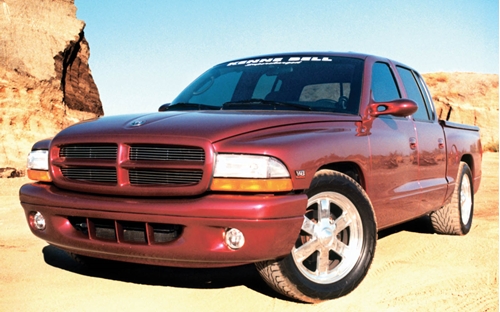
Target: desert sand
(413, 270)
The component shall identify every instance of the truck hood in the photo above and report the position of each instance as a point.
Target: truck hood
(208, 125)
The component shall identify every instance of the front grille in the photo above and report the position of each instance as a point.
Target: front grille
(100, 175)
(166, 153)
(104, 151)
(132, 169)
(143, 177)
(126, 231)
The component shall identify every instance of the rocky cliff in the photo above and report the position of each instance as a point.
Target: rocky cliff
(468, 98)
(45, 80)
(46, 83)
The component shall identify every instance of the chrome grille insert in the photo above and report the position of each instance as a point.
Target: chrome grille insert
(108, 151)
(166, 153)
(132, 169)
(101, 175)
(160, 176)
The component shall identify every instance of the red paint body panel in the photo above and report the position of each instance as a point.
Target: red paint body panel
(203, 220)
(407, 167)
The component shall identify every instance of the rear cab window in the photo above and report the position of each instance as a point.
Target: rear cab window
(414, 93)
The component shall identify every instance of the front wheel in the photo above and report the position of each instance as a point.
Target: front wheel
(335, 246)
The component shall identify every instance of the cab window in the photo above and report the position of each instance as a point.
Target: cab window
(414, 93)
(384, 86)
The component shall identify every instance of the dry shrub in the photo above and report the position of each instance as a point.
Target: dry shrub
(491, 147)
(435, 79)
(441, 77)
(494, 84)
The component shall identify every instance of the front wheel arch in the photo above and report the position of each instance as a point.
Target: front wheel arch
(351, 169)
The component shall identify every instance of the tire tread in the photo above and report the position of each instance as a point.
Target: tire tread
(447, 220)
(274, 272)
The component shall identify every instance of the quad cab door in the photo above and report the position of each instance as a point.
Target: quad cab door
(430, 143)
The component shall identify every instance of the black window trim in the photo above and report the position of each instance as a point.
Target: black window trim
(426, 95)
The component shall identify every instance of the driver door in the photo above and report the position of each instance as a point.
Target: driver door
(394, 186)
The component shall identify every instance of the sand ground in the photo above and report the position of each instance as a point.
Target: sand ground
(413, 270)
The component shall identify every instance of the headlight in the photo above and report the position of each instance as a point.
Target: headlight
(38, 165)
(38, 160)
(250, 173)
(249, 166)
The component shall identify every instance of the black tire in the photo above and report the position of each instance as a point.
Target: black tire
(455, 218)
(345, 232)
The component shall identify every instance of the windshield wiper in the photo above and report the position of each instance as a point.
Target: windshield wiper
(191, 106)
(255, 103)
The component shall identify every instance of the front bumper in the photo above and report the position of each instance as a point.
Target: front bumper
(125, 229)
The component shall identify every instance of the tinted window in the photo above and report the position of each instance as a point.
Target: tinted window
(330, 84)
(216, 90)
(414, 93)
(265, 86)
(384, 87)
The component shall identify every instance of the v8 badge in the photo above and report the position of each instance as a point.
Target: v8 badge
(300, 174)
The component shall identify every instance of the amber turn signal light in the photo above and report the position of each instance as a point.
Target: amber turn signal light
(39, 175)
(251, 185)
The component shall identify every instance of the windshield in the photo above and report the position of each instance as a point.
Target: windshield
(330, 84)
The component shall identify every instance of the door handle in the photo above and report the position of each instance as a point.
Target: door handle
(413, 143)
(440, 143)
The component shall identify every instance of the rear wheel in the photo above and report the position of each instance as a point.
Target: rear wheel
(456, 217)
(335, 246)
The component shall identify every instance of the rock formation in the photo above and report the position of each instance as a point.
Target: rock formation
(46, 84)
(468, 98)
(45, 80)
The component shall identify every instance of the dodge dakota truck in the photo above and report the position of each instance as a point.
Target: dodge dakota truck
(293, 162)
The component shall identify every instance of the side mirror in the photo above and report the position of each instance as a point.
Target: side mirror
(164, 107)
(399, 108)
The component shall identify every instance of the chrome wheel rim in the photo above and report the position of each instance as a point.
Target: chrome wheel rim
(331, 238)
(465, 199)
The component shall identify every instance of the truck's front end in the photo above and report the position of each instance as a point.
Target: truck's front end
(222, 176)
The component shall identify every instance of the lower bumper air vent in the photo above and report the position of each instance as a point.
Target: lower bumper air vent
(126, 231)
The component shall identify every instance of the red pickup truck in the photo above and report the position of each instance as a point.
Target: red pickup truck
(293, 162)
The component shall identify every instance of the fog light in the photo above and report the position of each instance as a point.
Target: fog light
(39, 221)
(234, 238)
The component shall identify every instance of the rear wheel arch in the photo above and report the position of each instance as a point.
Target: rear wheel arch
(467, 158)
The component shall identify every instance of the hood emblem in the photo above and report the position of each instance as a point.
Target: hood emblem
(137, 123)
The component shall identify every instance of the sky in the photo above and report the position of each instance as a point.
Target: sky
(143, 53)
